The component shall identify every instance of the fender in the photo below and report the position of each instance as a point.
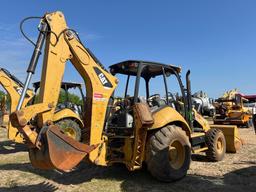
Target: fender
(67, 113)
(162, 118)
(203, 123)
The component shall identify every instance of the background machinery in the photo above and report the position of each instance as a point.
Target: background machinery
(230, 110)
(203, 104)
(13, 88)
(131, 130)
(250, 103)
(66, 113)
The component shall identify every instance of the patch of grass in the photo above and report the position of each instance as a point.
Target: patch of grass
(14, 159)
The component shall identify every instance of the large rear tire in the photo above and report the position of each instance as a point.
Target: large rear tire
(216, 143)
(168, 154)
(70, 128)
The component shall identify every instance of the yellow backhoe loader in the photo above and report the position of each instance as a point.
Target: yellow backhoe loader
(66, 114)
(131, 130)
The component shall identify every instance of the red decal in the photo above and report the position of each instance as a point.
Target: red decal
(98, 95)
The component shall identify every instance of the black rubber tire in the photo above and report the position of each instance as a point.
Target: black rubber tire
(212, 137)
(254, 122)
(71, 124)
(157, 153)
(211, 113)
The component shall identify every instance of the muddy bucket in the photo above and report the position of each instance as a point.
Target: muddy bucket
(58, 151)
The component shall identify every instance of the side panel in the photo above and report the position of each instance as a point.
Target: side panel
(201, 121)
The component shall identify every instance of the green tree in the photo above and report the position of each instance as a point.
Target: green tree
(2, 95)
(73, 98)
(8, 100)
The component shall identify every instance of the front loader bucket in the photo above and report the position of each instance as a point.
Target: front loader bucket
(58, 151)
(231, 133)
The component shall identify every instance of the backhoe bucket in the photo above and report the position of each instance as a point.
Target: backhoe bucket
(58, 151)
(231, 133)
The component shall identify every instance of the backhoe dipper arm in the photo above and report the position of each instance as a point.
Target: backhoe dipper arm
(61, 45)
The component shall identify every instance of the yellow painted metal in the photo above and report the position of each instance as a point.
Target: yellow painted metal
(128, 150)
(168, 115)
(67, 47)
(236, 113)
(231, 133)
(56, 54)
(67, 113)
(13, 90)
(201, 121)
(197, 134)
(199, 150)
(176, 154)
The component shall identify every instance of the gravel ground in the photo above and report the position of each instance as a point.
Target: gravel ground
(236, 173)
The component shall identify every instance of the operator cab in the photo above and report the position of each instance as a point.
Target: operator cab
(149, 85)
(147, 70)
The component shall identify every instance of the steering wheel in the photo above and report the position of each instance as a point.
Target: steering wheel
(154, 96)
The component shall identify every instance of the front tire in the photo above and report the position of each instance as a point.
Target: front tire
(70, 128)
(168, 154)
(216, 143)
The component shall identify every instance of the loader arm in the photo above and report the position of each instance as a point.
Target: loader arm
(61, 45)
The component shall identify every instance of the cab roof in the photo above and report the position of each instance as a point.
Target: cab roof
(247, 96)
(151, 69)
(64, 85)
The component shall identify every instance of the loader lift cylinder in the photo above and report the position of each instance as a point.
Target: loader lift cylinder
(33, 61)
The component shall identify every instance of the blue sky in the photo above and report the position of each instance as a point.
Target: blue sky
(215, 39)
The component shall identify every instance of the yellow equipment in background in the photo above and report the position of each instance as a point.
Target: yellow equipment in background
(131, 131)
(63, 116)
(230, 110)
(13, 87)
(4, 119)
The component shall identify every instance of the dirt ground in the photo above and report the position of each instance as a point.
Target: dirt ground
(237, 173)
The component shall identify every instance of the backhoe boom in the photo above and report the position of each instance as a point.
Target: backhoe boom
(61, 45)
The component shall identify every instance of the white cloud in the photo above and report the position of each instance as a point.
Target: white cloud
(14, 51)
(89, 36)
(7, 27)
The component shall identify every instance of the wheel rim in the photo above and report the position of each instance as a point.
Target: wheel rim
(176, 155)
(219, 145)
(69, 131)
